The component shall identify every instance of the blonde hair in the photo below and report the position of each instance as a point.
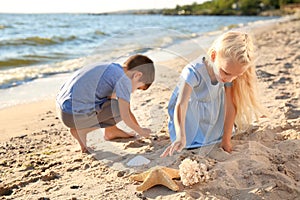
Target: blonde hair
(239, 47)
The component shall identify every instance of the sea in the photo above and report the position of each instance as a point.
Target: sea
(39, 51)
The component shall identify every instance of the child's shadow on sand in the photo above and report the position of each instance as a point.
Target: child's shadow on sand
(136, 143)
(116, 151)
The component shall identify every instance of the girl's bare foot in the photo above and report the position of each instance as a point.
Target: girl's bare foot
(114, 132)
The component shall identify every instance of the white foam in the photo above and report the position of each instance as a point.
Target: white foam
(36, 90)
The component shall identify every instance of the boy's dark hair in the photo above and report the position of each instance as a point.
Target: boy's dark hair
(142, 64)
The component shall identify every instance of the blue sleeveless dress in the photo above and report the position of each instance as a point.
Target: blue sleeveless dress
(205, 113)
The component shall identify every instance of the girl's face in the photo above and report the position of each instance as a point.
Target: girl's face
(226, 70)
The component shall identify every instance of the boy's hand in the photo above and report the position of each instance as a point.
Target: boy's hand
(226, 145)
(175, 146)
(146, 132)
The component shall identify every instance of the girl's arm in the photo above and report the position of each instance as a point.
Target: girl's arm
(180, 112)
(230, 114)
(179, 120)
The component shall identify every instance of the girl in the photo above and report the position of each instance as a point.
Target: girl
(217, 92)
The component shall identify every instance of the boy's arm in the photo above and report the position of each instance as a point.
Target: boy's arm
(230, 114)
(130, 121)
(133, 118)
(114, 96)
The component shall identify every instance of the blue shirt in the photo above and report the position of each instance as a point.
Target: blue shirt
(88, 88)
(204, 121)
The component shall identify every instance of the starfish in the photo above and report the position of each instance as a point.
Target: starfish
(158, 175)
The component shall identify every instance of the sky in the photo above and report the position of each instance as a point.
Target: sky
(85, 6)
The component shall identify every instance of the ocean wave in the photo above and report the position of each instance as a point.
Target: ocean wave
(97, 32)
(17, 62)
(17, 76)
(2, 26)
(36, 41)
(20, 75)
(32, 59)
(232, 26)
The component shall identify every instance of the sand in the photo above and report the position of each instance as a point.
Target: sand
(40, 160)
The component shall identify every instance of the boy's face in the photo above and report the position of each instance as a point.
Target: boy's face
(144, 87)
(136, 83)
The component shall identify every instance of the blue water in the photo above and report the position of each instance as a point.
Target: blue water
(42, 41)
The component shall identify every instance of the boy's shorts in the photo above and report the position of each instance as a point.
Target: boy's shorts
(108, 115)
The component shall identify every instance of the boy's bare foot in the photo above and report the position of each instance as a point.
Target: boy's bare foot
(86, 150)
(76, 136)
(80, 136)
(114, 132)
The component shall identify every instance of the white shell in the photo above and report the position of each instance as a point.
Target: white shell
(138, 161)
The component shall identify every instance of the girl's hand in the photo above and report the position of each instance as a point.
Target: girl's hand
(226, 145)
(175, 146)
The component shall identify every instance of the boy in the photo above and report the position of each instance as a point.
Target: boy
(99, 96)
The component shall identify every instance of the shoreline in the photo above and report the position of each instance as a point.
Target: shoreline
(45, 160)
(32, 75)
(53, 82)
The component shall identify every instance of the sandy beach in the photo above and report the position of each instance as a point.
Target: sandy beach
(40, 159)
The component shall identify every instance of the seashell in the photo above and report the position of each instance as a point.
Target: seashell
(138, 161)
